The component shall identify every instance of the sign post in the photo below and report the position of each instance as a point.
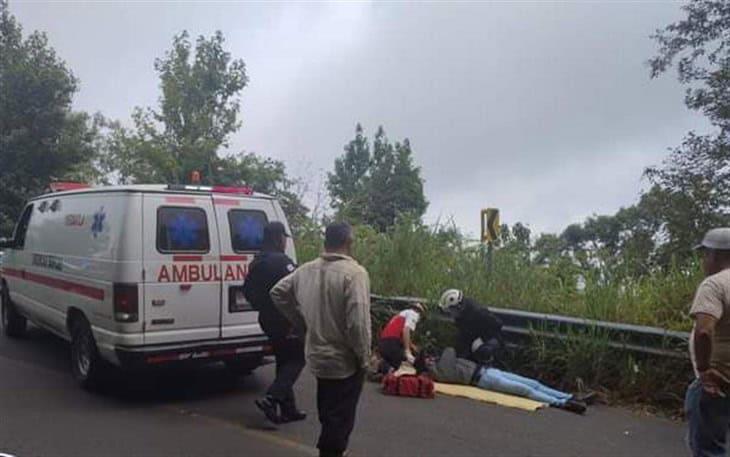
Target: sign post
(490, 232)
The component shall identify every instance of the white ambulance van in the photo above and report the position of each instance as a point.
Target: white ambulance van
(139, 276)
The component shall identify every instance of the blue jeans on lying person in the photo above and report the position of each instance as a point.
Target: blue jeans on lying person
(510, 383)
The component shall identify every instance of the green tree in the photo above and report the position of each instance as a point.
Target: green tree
(198, 110)
(693, 184)
(378, 187)
(41, 138)
(348, 183)
(699, 45)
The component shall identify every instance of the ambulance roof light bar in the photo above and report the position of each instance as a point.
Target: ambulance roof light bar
(62, 186)
(239, 190)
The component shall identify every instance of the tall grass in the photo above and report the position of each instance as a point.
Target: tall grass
(416, 260)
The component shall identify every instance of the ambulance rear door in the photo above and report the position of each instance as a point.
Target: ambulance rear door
(241, 224)
(182, 287)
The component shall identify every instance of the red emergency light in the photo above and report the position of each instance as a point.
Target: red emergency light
(64, 186)
(244, 190)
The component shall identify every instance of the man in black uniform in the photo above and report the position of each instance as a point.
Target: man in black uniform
(479, 335)
(269, 266)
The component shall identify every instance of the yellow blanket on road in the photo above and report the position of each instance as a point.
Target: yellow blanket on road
(488, 396)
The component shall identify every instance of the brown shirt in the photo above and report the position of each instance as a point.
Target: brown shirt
(713, 298)
(329, 299)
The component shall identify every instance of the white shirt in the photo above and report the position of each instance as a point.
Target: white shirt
(412, 317)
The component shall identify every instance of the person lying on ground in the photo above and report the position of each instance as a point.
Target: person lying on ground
(479, 332)
(451, 369)
(396, 339)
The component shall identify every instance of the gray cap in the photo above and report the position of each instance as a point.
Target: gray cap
(718, 239)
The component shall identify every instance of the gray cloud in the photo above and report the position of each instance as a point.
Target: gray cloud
(545, 110)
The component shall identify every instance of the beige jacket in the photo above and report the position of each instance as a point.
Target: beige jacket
(713, 298)
(329, 299)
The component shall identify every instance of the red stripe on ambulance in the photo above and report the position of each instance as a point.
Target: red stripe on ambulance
(187, 258)
(182, 200)
(233, 258)
(226, 202)
(57, 283)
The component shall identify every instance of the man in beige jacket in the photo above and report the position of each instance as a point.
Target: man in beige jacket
(328, 300)
(707, 402)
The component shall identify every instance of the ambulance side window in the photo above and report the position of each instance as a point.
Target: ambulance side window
(22, 228)
(247, 229)
(182, 229)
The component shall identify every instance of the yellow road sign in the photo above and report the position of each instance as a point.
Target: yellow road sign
(490, 225)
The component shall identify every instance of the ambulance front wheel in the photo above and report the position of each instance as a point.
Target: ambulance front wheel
(14, 325)
(86, 364)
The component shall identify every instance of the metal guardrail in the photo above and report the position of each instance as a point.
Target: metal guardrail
(520, 325)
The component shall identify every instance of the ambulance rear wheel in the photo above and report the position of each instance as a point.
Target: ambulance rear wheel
(14, 325)
(86, 365)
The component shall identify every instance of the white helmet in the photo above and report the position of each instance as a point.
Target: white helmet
(450, 298)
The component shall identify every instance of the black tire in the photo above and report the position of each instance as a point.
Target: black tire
(14, 325)
(87, 366)
(243, 367)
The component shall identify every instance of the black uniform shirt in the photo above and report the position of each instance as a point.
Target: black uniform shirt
(267, 268)
(475, 321)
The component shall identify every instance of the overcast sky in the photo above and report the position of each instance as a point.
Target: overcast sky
(544, 110)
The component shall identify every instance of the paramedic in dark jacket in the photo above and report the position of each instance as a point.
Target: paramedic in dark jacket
(267, 268)
(479, 335)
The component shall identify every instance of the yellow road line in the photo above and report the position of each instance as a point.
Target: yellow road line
(271, 437)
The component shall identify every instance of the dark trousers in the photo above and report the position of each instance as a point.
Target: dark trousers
(289, 353)
(337, 404)
(708, 418)
(392, 351)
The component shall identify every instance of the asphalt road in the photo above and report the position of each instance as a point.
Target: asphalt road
(206, 412)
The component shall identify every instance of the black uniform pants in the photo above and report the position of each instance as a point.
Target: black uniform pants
(392, 351)
(289, 353)
(337, 404)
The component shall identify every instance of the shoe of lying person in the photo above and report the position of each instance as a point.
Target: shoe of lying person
(575, 406)
(270, 408)
(588, 397)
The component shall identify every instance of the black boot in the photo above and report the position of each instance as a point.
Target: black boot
(290, 413)
(575, 406)
(270, 407)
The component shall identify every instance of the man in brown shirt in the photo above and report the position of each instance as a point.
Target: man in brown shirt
(328, 300)
(707, 404)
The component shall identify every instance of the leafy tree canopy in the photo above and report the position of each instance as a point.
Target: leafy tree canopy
(375, 183)
(41, 138)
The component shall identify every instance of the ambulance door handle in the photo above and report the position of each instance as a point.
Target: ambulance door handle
(185, 287)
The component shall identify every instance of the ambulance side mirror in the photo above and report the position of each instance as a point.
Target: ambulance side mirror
(6, 243)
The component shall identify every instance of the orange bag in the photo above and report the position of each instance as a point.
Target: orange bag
(408, 386)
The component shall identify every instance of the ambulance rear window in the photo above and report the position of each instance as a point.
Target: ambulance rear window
(247, 229)
(182, 229)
